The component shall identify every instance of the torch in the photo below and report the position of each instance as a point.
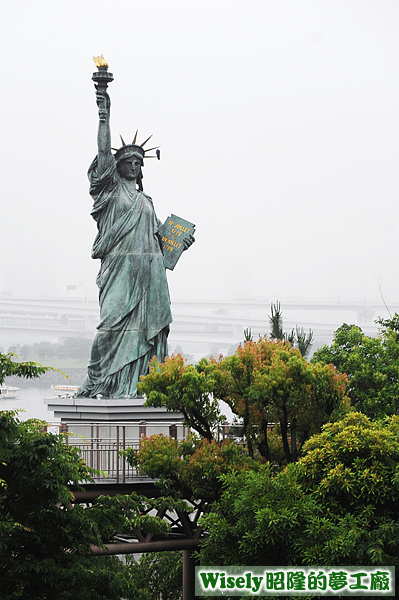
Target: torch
(101, 77)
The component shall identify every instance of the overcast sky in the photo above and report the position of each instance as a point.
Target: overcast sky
(279, 127)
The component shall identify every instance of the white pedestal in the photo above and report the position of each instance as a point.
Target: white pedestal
(93, 410)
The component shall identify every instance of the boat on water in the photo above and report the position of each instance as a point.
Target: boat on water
(7, 391)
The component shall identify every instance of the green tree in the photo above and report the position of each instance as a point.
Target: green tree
(297, 338)
(258, 519)
(185, 388)
(263, 382)
(45, 538)
(337, 505)
(371, 364)
(391, 324)
(158, 575)
(276, 324)
(191, 467)
(268, 381)
(247, 336)
(351, 469)
(28, 370)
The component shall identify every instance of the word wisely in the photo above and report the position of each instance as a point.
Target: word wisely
(298, 581)
(220, 580)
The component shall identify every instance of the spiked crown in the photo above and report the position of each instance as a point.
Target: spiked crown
(133, 149)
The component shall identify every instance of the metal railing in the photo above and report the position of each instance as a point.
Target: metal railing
(103, 455)
(101, 450)
(100, 445)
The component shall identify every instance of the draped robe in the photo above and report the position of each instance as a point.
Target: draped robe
(134, 298)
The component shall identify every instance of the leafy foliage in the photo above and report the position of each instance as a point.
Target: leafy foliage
(185, 388)
(248, 335)
(353, 463)
(45, 539)
(158, 575)
(371, 364)
(257, 521)
(391, 324)
(351, 469)
(297, 338)
(28, 370)
(191, 467)
(276, 324)
(263, 382)
(268, 381)
(337, 505)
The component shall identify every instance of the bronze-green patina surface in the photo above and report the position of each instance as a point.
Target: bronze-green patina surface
(134, 299)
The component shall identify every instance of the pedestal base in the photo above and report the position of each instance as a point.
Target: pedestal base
(93, 410)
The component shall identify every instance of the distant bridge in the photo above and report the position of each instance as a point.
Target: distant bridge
(207, 326)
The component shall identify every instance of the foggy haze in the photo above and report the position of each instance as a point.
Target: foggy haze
(278, 123)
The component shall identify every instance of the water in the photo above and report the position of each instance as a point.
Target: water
(30, 401)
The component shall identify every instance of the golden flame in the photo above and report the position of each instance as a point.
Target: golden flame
(100, 61)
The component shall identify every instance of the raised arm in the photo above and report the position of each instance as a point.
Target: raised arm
(104, 133)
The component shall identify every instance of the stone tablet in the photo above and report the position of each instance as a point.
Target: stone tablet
(173, 232)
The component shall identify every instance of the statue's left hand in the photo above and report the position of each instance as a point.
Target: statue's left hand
(188, 241)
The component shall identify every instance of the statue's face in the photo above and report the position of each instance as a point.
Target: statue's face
(130, 168)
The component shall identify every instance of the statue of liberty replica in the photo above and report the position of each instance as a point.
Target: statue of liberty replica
(135, 312)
